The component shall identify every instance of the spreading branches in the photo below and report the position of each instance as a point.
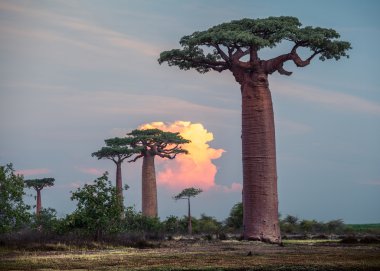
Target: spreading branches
(116, 149)
(154, 142)
(193, 57)
(230, 42)
(188, 193)
(39, 184)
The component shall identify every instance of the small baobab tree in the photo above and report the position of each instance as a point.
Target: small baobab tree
(235, 46)
(152, 143)
(188, 193)
(117, 150)
(38, 185)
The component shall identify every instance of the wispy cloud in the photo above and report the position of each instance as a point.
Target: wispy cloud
(34, 171)
(90, 35)
(331, 99)
(112, 37)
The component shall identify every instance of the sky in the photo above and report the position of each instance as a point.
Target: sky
(73, 73)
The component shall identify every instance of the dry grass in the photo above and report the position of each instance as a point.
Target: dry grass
(202, 255)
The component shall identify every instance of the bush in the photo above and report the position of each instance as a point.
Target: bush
(98, 209)
(173, 225)
(235, 220)
(208, 224)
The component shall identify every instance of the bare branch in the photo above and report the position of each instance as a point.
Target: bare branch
(240, 53)
(282, 71)
(137, 157)
(162, 155)
(302, 63)
(276, 64)
(221, 52)
(230, 51)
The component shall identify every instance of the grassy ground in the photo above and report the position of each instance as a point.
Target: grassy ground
(199, 255)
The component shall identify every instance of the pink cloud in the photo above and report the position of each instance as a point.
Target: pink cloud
(195, 169)
(34, 171)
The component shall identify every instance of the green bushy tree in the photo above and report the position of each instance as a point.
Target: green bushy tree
(172, 225)
(98, 208)
(235, 219)
(137, 222)
(13, 210)
(46, 220)
(208, 224)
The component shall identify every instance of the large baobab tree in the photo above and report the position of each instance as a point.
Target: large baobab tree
(38, 185)
(152, 143)
(235, 46)
(117, 150)
(188, 193)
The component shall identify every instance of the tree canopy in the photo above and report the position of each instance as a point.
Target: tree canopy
(237, 43)
(157, 142)
(39, 184)
(188, 193)
(117, 149)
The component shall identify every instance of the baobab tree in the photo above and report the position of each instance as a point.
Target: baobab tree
(152, 143)
(235, 46)
(38, 185)
(117, 150)
(188, 193)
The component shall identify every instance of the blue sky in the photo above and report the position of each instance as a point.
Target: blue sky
(73, 73)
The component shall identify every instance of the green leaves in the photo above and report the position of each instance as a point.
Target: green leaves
(13, 211)
(98, 208)
(222, 46)
(244, 33)
(116, 149)
(157, 142)
(188, 193)
(39, 184)
(322, 40)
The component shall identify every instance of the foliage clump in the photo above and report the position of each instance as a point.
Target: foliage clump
(13, 211)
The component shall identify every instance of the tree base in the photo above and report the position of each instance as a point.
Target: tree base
(269, 240)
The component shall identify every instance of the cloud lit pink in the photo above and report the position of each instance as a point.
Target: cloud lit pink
(195, 169)
(34, 171)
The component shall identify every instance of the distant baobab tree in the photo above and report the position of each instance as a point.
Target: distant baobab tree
(235, 46)
(38, 185)
(117, 150)
(188, 193)
(152, 143)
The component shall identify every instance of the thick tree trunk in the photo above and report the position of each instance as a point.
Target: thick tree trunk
(260, 200)
(190, 228)
(39, 205)
(119, 183)
(149, 187)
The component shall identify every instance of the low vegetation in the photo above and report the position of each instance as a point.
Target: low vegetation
(96, 237)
